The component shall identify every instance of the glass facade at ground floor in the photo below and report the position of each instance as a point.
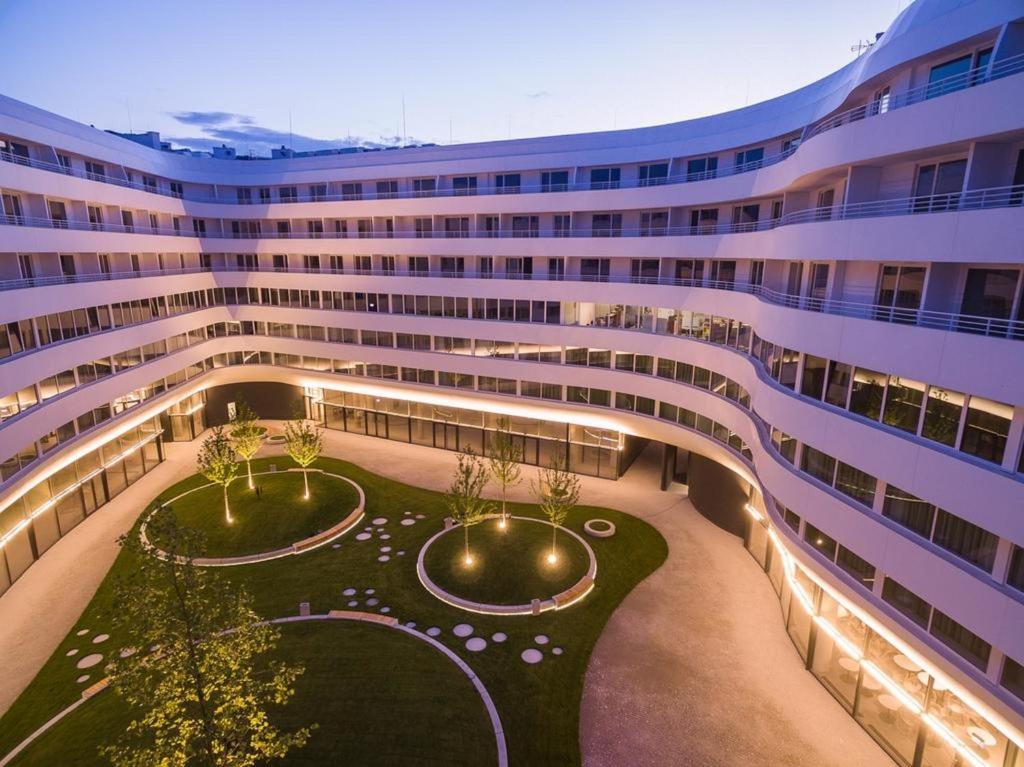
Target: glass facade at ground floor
(912, 715)
(53, 507)
(595, 452)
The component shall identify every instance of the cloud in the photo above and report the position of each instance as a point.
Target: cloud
(244, 134)
(539, 95)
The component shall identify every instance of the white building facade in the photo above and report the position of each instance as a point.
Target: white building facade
(821, 293)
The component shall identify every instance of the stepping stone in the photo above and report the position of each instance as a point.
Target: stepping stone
(380, 529)
(385, 610)
(127, 652)
(72, 652)
(372, 602)
(462, 630)
(100, 638)
(476, 644)
(368, 591)
(540, 639)
(532, 656)
(348, 592)
(421, 516)
(363, 537)
(385, 537)
(433, 631)
(383, 558)
(353, 603)
(385, 549)
(82, 633)
(401, 553)
(83, 679)
(410, 625)
(335, 545)
(556, 651)
(499, 637)
(89, 661)
(407, 513)
(368, 529)
(380, 521)
(408, 522)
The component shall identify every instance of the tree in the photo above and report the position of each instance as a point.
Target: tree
(247, 435)
(304, 443)
(506, 459)
(463, 499)
(216, 462)
(204, 692)
(558, 491)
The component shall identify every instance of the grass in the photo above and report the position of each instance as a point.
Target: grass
(510, 567)
(276, 518)
(538, 705)
(384, 679)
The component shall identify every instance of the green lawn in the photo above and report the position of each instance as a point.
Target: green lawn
(275, 518)
(510, 566)
(538, 705)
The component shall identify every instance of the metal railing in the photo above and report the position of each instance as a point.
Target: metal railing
(974, 199)
(926, 318)
(978, 76)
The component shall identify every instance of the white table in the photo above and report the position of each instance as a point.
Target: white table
(982, 737)
(938, 685)
(906, 664)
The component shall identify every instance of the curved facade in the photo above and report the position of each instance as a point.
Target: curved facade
(822, 292)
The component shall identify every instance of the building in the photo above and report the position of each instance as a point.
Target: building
(814, 303)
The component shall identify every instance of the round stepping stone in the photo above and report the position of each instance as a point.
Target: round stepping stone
(100, 638)
(532, 656)
(410, 625)
(385, 537)
(433, 631)
(126, 652)
(348, 592)
(401, 553)
(372, 602)
(556, 651)
(385, 610)
(385, 549)
(476, 644)
(83, 679)
(368, 591)
(462, 630)
(368, 529)
(421, 516)
(540, 639)
(499, 637)
(72, 652)
(407, 513)
(353, 603)
(380, 521)
(89, 661)
(383, 558)
(82, 633)
(363, 537)
(335, 545)
(408, 522)
(380, 529)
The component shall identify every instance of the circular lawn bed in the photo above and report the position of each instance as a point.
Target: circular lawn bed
(275, 518)
(510, 566)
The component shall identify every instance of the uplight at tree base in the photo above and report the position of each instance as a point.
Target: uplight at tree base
(501, 525)
(552, 558)
(468, 561)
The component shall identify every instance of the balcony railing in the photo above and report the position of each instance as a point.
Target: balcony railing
(978, 76)
(926, 318)
(975, 199)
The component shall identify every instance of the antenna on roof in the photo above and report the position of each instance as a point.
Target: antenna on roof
(862, 45)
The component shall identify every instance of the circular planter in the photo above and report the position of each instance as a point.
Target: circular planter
(298, 547)
(559, 601)
(275, 439)
(599, 528)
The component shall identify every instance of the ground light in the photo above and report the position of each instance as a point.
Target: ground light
(468, 561)
(501, 524)
(552, 558)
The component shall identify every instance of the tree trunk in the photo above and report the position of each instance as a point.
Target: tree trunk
(465, 529)
(504, 512)
(554, 532)
(248, 464)
(305, 480)
(227, 509)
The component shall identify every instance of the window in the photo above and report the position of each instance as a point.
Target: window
(1015, 575)
(606, 225)
(899, 293)
(867, 392)
(909, 511)
(813, 380)
(744, 217)
(756, 273)
(818, 464)
(554, 181)
(986, 428)
(823, 543)
(861, 570)
(424, 187)
(855, 483)
(352, 191)
(938, 187)
(903, 401)
(907, 602)
(387, 190)
(942, 415)
(704, 221)
(653, 223)
(965, 643)
(966, 540)
(701, 168)
(288, 193)
(507, 183)
(464, 185)
(1012, 677)
(605, 178)
(653, 175)
(561, 225)
(948, 77)
(988, 293)
(749, 159)
(595, 269)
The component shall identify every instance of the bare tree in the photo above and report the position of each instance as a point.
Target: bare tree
(216, 461)
(463, 499)
(505, 458)
(558, 491)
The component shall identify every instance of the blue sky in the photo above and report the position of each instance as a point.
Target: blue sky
(240, 71)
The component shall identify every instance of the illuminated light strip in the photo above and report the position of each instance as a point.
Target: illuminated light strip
(757, 515)
(6, 538)
(870, 667)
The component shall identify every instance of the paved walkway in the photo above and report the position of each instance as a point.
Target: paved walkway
(694, 668)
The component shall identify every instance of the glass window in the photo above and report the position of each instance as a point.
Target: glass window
(861, 570)
(822, 542)
(1015, 577)
(966, 643)
(819, 465)
(1012, 677)
(942, 415)
(907, 602)
(966, 540)
(837, 388)
(903, 401)
(813, 380)
(986, 429)
(855, 483)
(908, 510)
(866, 397)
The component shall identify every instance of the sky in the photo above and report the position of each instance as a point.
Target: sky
(260, 73)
